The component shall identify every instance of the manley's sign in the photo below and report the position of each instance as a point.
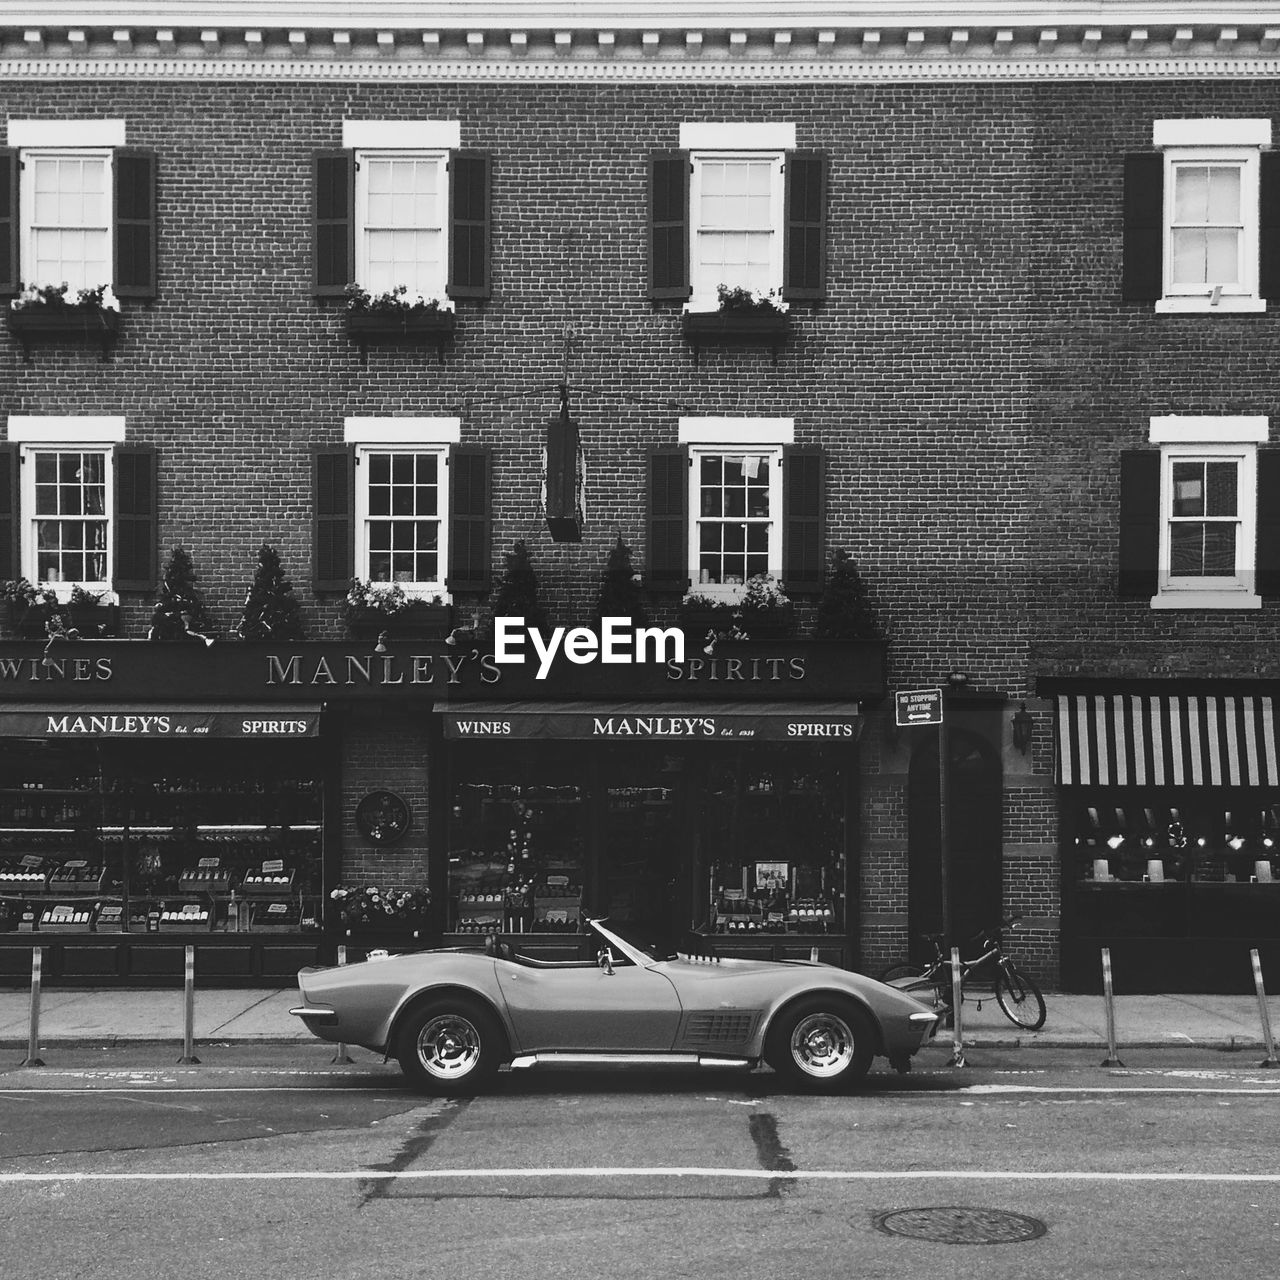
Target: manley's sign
(242, 671)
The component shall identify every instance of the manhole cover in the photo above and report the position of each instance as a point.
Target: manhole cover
(961, 1226)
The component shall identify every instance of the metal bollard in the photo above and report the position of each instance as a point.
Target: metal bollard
(33, 1058)
(1113, 1058)
(342, 1056)
(957, 1029)
(189, 1019)
(1271, 1060)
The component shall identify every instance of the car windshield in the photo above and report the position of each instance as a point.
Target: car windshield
(653, 944)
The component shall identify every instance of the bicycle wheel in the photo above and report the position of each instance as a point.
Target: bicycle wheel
(1019, 998)
(896, 972)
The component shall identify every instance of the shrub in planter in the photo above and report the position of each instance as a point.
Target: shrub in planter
(844, 611)
(516, 595)
(621, 589)
(180, 611)
(271, 610)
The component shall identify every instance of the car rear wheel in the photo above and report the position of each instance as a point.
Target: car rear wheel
(821, 1045)
(450, 1047)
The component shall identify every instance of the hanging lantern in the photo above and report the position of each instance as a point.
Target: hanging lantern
(564, 476)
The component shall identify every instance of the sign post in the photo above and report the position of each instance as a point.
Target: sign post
(912, 709)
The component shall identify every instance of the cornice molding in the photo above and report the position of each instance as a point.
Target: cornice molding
(915, 71)
(658, 41)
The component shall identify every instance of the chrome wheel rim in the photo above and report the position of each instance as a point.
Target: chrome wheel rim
(449, 1047)
(822, 1045)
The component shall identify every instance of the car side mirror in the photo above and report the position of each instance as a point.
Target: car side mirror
(605, 960)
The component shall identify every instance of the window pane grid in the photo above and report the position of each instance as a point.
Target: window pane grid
(1204, 525)
(403, 233)
(734, 525)
(402, 531)
(70, 517)
(70, 221)
(1207, 229)
(735, 234)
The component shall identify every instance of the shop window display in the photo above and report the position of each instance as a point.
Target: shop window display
(131, 838)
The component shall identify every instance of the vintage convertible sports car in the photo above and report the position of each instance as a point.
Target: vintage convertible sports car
(453, 1016)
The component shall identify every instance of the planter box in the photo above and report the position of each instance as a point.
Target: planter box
(419, 622)
(776, 624)
(93, 620)
(736, 329)
(87, 325)
(423, 329)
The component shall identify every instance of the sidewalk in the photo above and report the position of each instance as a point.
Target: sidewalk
(114, 1017)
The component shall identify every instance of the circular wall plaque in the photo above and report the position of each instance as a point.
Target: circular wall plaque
(382, 816)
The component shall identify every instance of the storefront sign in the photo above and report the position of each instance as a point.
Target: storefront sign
(630, 722)
(160, 722)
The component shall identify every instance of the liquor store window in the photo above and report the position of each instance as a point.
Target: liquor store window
(131, 837)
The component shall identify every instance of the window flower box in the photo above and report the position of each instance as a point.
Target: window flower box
(372, 608)
(764, 612)
(32, 611)
(365, 912)
(44, 315)
(389, 318)
(743, 319)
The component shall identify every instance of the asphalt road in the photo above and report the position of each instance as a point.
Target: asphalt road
(272, 1162)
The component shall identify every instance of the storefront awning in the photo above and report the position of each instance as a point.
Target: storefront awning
(177, 722)
(1167, 740)
(634, 721)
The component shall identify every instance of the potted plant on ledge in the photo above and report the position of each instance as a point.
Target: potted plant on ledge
(36, 612)
(762, 612)
(396, 317)
(371, 608)
(45, 311)
(744, 317)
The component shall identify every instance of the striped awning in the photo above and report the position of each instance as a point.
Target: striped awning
(1167, 740)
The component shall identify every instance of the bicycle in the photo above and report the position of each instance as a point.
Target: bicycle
(1018, 996)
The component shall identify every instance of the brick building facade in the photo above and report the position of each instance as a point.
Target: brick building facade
(966, 352)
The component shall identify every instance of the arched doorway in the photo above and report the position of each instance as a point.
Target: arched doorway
(974, 799)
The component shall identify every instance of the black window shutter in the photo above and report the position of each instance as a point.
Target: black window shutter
(668, 520)
(10, 511)
(470, 224)
(1269, 226)
(1268, 522)
(1139, 550)
(470, 518)
(669, 224)
(10, 276)
(803, 518)
(1143, 275)
(135, 223)
(333, 251)
(804, 273)
(136, 545)
(333, 517)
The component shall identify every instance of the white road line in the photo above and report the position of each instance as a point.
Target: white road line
(755, 1175)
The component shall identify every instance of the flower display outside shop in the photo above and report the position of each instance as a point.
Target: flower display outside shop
(374, 908)
(763, 611)
(738, 300)
(53, 297)
(394, 303)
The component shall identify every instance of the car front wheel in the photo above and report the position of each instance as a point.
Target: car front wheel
(821, 1045)
(450, 1047)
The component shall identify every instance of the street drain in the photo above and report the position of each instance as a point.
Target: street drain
(953, 1225)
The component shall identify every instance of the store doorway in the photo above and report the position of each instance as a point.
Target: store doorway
(974, 800)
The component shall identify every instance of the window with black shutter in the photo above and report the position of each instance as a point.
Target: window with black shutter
(134, 532)
(1268, 526)
(333, 518)
(804, 516)
(1139, 549)
(470, 224)
(805, 229)
(333, 223)
(470, 517)
(669, 225)
(668, 495)
(1143, 278)
(10, 276)
(10, 512)
(135, 223)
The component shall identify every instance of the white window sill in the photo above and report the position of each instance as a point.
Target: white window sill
(1201, 305)
(1172, 599)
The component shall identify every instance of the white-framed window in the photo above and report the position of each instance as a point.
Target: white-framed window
(735, 500)
(1211, 213)
(66, 508)
(402, 501)
(66, 217)
(1208, 511)
(402, 205)
(736, 203)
